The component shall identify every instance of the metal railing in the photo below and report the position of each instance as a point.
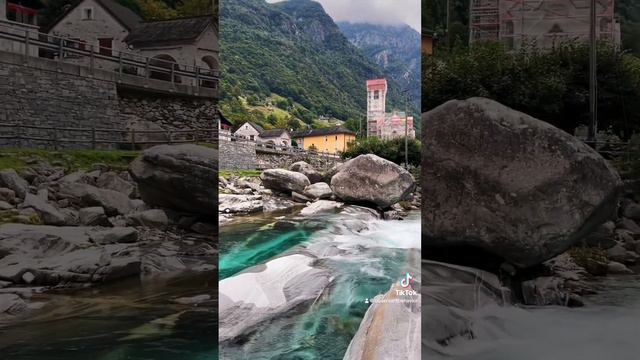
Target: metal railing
(21, 135)
(65, 49)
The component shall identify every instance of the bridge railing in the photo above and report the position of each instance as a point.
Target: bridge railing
(64, 49)
(20, 135)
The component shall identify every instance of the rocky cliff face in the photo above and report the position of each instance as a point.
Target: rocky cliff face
(395, 48)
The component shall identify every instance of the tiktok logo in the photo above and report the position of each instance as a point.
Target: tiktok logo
(406, 281)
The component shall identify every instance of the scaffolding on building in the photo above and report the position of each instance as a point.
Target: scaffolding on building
(543, 22)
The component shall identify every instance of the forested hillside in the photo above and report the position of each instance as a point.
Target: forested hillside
(288, 63)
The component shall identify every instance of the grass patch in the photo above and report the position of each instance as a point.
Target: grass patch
(13, 217)
(70, 159)
(250, 173)
(584, 256)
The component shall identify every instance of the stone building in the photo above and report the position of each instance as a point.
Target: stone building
(182, 44)
(254, 132)
(277, 137)
(249, 131)
(331, 140)
(379, 122)
(103, 24)
(20, 20)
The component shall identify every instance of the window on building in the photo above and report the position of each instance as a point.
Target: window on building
(336, 137)
(87, 13)
(106, 45)
(376, 94)
(252, 137)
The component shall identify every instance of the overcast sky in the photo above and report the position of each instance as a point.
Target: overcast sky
(387, 12)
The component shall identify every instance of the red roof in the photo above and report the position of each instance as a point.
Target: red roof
(375, 82)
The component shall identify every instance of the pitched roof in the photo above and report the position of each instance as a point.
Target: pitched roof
(272, 133)
(169, 32)
(323, 131)
(256, 126)
(125, 16)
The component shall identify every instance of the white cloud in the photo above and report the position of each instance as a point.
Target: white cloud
(386, 12)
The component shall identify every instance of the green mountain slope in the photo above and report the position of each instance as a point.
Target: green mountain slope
(294, 50)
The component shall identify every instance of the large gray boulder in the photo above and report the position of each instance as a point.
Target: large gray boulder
(181, 177)
(240, 203)
(501, 181)
(319, 190)
(263, 292)
(11, 180)
(84, 195)
(372, 179)
(284, 180)
(48, 213)
(309, 171)
(397, 309)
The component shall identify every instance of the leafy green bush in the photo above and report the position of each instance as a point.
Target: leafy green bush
(392, 150)
(551, 85)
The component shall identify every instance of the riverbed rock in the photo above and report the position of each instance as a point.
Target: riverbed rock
(93, 216)
(603, 237)
(262, 292)
(85, 195)
(48, 213)
(321, 206)
(372, 179)
(240, 203)
(11, 304)
(112, 181)
(309, 171)
(319, 190)
(284, 180)
(11, 180)
(180, 177)
(5, 205)
(297, 197)
(508, 184)
(449, 294)
(278, 204)
(374, 341)
(115, 235)
(50, 255)
(629, 224)
(7, 195)
(616, 268)
(150, 218)
(632, 211)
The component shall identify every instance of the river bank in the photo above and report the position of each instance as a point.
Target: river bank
(82, 248)
(281, 233)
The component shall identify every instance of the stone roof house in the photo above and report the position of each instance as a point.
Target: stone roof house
(101, 23)
(187, 42)
(254, 132)
(279, 137)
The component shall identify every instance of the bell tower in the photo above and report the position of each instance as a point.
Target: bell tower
(376, 99)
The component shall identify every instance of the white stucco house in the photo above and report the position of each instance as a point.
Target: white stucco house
(249, 131)
(182, 43)
(254, 132)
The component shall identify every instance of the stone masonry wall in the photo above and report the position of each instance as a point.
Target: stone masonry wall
(237, 155)
(32, 96)
(38, 94)
(320, 163)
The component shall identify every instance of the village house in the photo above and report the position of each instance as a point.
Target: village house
(254, 132)
(18, 19)
(332, 140)
(110, 28)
